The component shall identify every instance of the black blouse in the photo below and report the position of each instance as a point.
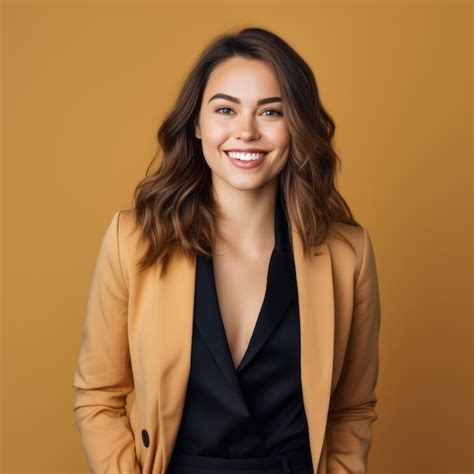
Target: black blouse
(257, 409)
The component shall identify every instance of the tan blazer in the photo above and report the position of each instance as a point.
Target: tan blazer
(137, 335)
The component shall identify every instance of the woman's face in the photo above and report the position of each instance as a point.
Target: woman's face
(240, 122)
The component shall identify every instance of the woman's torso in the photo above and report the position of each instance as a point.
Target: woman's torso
(244, 397)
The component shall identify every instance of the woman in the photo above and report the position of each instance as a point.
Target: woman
(238, 297)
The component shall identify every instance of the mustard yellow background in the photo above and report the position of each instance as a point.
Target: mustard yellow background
(85, 85)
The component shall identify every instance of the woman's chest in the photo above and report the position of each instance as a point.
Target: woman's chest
(241, 285)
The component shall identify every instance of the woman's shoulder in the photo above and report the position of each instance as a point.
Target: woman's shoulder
(127, 213)
(349, 241)
(127, 218)
(355, 234)
(128, 234)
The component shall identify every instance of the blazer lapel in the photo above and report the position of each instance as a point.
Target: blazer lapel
(316, 304)
(174, 331)
(174, 325)
(209, 322)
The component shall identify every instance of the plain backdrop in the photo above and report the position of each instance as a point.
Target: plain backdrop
(85, 85)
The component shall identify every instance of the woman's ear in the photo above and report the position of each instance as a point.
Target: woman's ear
(197, 130)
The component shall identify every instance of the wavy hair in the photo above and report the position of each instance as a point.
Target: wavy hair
(175, 208)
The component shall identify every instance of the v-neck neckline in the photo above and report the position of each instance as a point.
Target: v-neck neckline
(280, 290)
(259, 315)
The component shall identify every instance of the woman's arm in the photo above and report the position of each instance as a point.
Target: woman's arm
(352, 408)
(103, 376)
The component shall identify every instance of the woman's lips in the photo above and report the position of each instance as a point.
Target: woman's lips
(246, 164)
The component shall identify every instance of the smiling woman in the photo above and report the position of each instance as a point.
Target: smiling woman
(238, 297)
(252, 135)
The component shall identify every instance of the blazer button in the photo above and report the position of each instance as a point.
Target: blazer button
(145, 438)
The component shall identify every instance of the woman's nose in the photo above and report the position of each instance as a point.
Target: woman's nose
(246, 127)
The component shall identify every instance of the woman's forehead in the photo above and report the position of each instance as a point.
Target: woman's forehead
(247, 80)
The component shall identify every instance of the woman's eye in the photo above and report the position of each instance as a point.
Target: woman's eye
(273, 110)
(264, 112)
(222, 108)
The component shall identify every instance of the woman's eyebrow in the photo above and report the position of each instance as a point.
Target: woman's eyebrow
(267, 100)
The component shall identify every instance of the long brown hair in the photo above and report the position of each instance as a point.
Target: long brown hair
(175, 208)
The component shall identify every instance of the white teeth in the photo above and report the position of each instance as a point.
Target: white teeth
(245, 156)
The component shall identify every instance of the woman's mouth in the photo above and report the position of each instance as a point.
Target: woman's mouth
(246, 160)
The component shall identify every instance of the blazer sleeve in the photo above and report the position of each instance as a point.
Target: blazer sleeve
(103, 376)
(352, 407)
